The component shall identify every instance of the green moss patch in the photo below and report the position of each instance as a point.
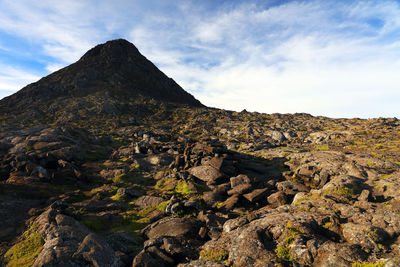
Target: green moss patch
(25, 252)
(94, 223)
(215, 255)
(182, 188)
(369, 264)
(161, 207)
(322, 147)
(283, 250)
(119, 198)
(166, 185)
(347, 191)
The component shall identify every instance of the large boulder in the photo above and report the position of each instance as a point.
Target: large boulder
(68, 243)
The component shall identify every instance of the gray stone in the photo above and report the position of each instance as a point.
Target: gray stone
(208, 174)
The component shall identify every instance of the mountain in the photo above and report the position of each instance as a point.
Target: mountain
(108, 162)
(114, 69)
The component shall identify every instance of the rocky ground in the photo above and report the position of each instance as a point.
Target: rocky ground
(108, 162)
(201, 187)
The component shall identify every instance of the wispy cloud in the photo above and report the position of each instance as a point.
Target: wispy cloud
(334, 58)
(12, 79)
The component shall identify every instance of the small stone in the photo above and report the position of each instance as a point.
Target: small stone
(298, 197)
(155, 215)
(239, 189)
(256, 195)
(240, 179)
(364, 195)
(203, 232)
(231, 202)
(145, 201)
(121, 192)
(214, 233)
(210, 197)
(277, 199)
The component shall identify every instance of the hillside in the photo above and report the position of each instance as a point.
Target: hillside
(108, 162)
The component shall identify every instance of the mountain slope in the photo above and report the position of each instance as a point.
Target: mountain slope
(113, 69)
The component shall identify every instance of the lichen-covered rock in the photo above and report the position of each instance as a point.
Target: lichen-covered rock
(67, 242)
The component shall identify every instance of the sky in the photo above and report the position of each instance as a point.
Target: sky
(330, 58)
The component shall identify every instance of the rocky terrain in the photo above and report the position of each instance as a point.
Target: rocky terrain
(108, 162)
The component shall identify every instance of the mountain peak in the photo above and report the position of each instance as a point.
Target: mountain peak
(117, 48)
(115, 68)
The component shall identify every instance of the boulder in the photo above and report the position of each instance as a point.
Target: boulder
(152, 257)
(68, 243)
(146, 201)
(208, 174)
(277, 199)
(172, 226)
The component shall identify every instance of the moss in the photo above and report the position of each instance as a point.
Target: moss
(161, 207)
(300, 200)
(25, 252)
(216, 255)
(328, 225)
(281, 167)
(96, 224)
(182, 188)
(371, 164)
(369, 264)
(379, 147)
(345, 191)
(286, 154)
(314, 196)
(134, 167)
(73, 211)
(376, 235)
(385, 176)
(307, 197)
(166, 185)
(117, 197)
(131, 222)
(299, 209)
(283, 251)
(219, 204)
(78, 197)
(124, 159)
(119, 178)
(322, 147)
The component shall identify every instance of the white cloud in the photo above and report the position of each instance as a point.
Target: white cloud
(12, 79)
(318, 64)
(54, 67)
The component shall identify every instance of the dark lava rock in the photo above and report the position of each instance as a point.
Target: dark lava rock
(171, 226)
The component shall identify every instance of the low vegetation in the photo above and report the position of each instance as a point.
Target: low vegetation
(24, 253)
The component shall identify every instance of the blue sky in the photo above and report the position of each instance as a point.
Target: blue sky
(331, 58)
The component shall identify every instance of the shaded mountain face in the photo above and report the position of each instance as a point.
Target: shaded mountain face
(114, 69)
